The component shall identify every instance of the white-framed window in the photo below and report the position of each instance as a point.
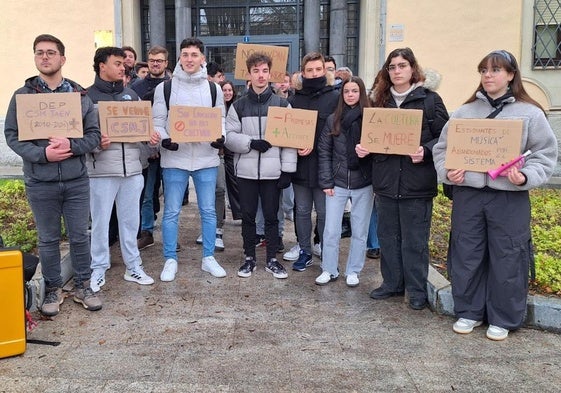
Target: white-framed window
(546, 48)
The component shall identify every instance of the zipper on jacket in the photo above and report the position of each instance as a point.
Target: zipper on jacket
(123, 158)
(260, 136)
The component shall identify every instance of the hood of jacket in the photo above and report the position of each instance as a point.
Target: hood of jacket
(195, 77)
(32, 83)
(298, 80)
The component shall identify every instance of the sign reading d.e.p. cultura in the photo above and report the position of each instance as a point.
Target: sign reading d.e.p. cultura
(480, 145)
(391, 130)
(278, 54)
(194, 123)
(125, 121)
(287, 127)
(43, 115)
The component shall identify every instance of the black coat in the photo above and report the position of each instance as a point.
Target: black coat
(333, 159)
(317, 95)
(396, 176)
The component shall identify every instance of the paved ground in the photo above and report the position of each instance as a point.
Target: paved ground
(260, 334)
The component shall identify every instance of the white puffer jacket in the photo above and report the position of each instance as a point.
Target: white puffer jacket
(189, 90)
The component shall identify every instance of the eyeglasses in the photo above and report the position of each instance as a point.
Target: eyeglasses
(493, 71)
(49, 53)
(401, 66)
(156, 61)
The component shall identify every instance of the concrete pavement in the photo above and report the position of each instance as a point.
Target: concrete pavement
(205, 334)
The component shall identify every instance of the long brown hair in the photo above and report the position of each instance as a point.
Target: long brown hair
(504, 59)
(362, 102)
(383, 81)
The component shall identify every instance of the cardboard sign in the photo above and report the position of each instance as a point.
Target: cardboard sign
(126, 121)
(480, 145)
(287, 127)
(279, 55)
(391, 130)
(194, 124)
(43, 115)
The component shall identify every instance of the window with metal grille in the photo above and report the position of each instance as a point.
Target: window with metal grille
(547, 34)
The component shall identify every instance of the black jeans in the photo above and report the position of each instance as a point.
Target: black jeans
(403, 232)
(250, 191)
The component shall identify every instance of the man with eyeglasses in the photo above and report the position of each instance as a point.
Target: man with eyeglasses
(56, 179)
(157, 64)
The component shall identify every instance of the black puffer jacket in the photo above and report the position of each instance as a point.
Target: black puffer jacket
(335, 158)
(395, 176)
(315, 94)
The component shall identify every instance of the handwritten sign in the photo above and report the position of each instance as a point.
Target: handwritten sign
(126, 121)
(391, 130)
(287, 127)
(194, 124)
(480, 145)
(279, 55)
(43, 115)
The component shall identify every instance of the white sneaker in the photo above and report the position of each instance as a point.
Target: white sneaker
(199, 239)
(97, 280)
(465, 326)
(293, 254)
(352, 280)
(211, 266)
(218, 242)
(138, 276)
(169, 271)
(496, 333)
(316, 250)
(325, 278)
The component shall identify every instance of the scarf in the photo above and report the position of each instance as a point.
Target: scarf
(498, 103)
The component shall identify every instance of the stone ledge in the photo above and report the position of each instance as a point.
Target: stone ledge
(542, 312)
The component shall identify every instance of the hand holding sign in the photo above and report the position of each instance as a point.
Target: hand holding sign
(391, 131)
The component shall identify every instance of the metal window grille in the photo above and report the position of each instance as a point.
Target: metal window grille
(547, 34)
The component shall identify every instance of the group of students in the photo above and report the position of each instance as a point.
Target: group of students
(490, 241)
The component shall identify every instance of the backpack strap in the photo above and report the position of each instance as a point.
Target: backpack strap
(167, 92)
(212, 86)
(429, 109)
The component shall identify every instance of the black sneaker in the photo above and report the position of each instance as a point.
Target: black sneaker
(373, 253)
(247, 268)
(276, 269)
(280, 248)
(304, 260)
(260, 241)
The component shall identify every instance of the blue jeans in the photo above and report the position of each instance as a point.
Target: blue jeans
(373, 230)
(305, 199)
(49, 202)
(147, 209)
(175, 184)
(362, 200)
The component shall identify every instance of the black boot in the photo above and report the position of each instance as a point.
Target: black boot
(346, 225)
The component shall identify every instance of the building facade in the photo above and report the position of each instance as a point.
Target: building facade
(447, 36)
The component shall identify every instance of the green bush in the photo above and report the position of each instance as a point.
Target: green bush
(17, 225)
(546, 232)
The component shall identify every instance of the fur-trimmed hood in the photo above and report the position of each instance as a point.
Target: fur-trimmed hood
(297, 80)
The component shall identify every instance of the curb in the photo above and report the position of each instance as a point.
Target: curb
(541, 312)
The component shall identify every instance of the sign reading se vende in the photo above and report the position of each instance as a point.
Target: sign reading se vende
(287, 127)
(391, 130)
(480, 145)
(194, 124)
(126, 121)
(43, 115)
(278, 54)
